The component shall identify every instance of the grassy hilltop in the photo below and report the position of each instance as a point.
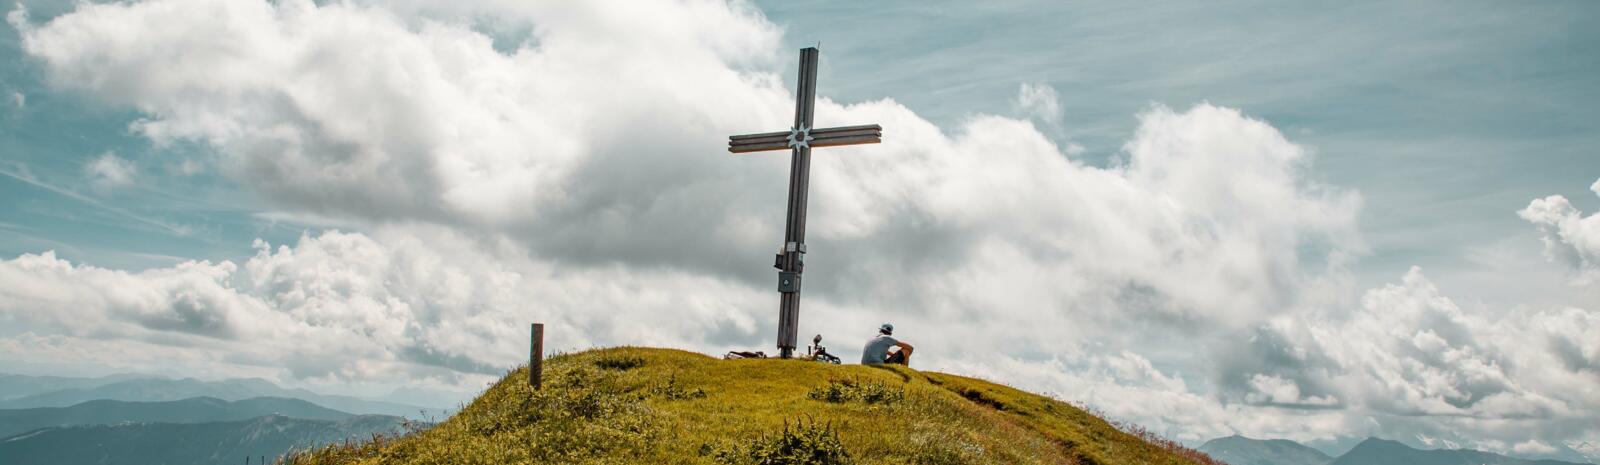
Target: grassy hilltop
(659, 406)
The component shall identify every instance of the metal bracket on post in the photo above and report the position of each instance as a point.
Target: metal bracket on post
(788, 282)
(796, 248)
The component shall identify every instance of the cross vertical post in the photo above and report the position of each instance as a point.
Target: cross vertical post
(799, 139)
(794, 231)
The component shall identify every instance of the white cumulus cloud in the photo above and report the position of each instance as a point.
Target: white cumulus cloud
(419, 304)
(580, 179)
(110, 170)
(1569, 237)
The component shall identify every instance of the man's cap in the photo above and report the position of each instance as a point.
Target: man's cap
(886, 328)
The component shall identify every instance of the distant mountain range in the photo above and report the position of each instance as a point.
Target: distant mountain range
(1376, 451)
(51, 420)
(1239, 450)
(193, 443)
(15, 386)
(36, 392)
(193, 410)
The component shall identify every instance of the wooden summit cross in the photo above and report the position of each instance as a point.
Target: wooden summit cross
(799, 139)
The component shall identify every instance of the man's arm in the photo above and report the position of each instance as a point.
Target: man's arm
(906, 348)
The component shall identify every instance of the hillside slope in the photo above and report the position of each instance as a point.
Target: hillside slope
(193, 410)
(633, 405)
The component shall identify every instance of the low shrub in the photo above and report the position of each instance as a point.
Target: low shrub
(849, 390)
(671, 389)
(806, 443)
(619, 363)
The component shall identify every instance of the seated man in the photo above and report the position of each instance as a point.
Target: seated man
(877, 350)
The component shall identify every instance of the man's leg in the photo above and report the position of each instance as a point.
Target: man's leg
(896, 357)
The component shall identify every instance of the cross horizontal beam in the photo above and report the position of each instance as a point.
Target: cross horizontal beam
(827, 137)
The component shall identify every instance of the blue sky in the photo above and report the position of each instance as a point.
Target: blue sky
(1206, 218)
(1446, 122)
(52, 136)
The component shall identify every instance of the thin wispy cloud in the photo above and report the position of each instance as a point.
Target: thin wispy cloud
(1038, 100)
(174, 229)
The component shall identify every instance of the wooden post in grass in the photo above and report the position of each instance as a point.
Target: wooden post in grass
(536, 357)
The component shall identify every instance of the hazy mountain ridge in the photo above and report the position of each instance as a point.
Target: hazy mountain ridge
(1374, 451)
(192, 410)
(16, 386)
(166, 390)
(1239, 450)
(193, 443)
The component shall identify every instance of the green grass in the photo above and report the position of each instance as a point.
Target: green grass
(660, 406)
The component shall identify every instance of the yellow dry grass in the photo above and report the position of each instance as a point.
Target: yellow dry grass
(660, 406)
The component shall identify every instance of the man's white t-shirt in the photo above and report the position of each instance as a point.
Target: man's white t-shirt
(877, 349)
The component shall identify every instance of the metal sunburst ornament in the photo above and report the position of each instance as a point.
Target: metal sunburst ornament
(800, 137)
